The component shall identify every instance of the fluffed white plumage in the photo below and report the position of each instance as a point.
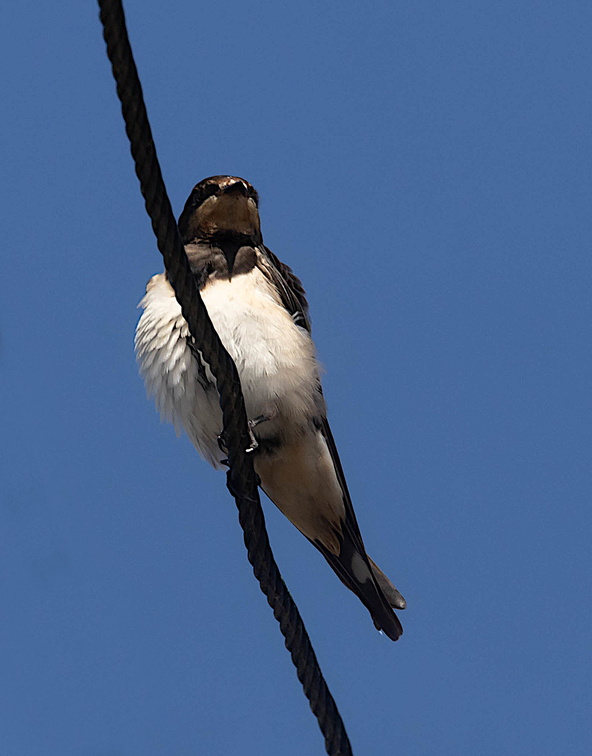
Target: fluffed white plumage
(275, 359)
(170, 370)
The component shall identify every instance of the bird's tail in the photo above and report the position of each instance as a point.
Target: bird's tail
(393, 596)
(362, 576)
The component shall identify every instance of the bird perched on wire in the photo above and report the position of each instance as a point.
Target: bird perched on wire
(260, 312)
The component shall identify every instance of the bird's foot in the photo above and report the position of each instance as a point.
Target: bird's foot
(252, 424)
(260, 419)
(253, 445)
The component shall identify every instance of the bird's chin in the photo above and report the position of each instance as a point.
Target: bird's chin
(230, 214)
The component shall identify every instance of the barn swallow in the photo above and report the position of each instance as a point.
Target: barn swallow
(260, 312)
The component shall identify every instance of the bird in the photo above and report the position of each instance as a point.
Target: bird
(260, 311)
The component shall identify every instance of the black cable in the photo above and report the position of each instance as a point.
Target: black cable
(241, 477)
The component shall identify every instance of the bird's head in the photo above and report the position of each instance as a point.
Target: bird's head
(221, 206)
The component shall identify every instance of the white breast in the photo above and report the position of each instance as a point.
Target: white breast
(275, 359)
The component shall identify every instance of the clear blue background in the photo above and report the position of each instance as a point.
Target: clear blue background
(425, 168)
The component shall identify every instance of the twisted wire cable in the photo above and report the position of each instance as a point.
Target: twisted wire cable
(241, 478)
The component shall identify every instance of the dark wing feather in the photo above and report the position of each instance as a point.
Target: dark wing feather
(350, 516)
(372, 596)
(288, 285)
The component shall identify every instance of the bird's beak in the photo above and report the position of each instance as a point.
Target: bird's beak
(236, 189)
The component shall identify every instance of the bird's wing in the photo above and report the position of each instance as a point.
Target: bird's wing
(352, 564)
(366, 580)
(287, 284)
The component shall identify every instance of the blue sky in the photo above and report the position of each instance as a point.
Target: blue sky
(425, 169)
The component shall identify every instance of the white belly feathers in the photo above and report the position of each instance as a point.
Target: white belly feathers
(275, 359)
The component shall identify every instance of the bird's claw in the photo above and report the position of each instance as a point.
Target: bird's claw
(258, 420)
(253, 424)
(254, 444)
